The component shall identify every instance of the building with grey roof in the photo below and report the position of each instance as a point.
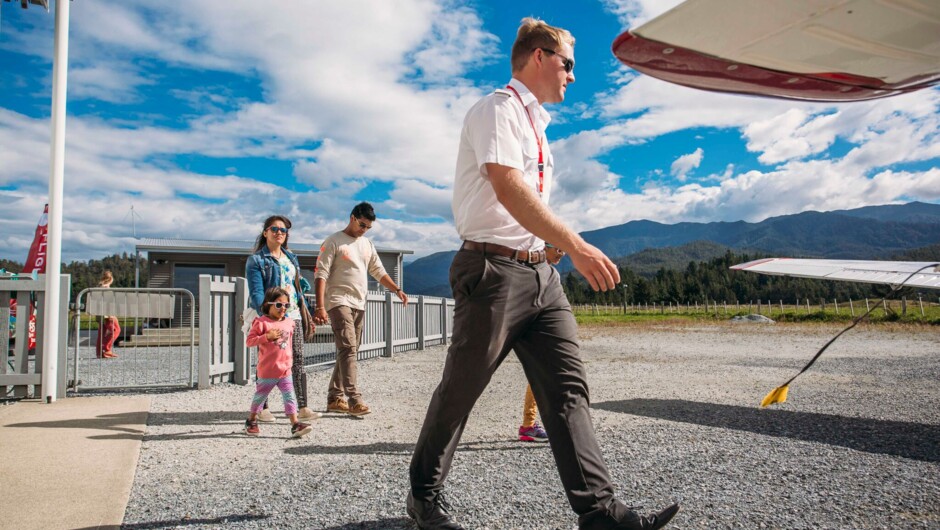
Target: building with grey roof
(177, 263)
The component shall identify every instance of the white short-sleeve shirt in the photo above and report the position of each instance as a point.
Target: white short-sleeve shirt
(496, 130)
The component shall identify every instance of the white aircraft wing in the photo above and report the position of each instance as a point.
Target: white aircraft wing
(816, 50)
(886, 272)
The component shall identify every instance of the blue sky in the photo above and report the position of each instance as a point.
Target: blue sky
(208, 116)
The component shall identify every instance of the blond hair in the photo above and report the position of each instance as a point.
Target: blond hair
(106, 278)
(533, 34)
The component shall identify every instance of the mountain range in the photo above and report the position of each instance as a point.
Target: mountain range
(871, 232)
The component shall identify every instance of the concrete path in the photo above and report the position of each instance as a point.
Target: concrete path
(69, 464)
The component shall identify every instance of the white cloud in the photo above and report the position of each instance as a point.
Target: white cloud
(686, 163)
(345, 106)
(793, 134)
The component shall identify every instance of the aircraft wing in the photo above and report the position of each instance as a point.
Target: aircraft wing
(886, 272)
(816, 50)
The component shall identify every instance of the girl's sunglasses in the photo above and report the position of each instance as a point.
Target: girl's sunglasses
(281, 305)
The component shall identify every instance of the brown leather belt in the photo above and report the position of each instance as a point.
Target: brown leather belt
(522, 256)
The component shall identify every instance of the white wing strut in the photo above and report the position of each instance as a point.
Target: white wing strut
(884, 272)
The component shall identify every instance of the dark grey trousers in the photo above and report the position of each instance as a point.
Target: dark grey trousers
(503, 305)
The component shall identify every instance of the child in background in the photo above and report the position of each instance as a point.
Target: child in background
(108, 328)
(272, 334)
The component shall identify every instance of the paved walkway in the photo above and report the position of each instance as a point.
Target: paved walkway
(69, 464)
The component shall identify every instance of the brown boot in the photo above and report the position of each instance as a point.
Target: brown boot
(359, 409)
(338, 405)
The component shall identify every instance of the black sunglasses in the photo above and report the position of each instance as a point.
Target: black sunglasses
(275, 229)
(568, 64)
(281, 305)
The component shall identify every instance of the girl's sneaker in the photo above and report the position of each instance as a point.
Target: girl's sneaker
(251, 428)
(534, 433)
(300, 429)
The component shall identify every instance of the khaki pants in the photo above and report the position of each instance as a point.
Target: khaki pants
(503, 305)
(347, 331)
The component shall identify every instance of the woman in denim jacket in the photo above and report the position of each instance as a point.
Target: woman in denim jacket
(273, 265)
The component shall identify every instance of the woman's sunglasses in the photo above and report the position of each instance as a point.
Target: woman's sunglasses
(275, 229)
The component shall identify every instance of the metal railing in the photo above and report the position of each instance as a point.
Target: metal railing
(125, 338)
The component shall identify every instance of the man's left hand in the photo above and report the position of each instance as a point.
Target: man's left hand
(403, 297)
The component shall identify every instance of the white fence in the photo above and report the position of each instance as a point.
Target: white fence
(802, 306)
(20, 368)
(389, 327)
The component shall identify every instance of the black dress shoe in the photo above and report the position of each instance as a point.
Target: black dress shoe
(431, 515)
(633, 520)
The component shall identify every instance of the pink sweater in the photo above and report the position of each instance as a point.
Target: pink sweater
(274, 358)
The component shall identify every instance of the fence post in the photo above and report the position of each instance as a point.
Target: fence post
(851, 307)
(205, 331)
(420, 321)
(921, 302)
(242, 365)
(444, 321)
(389, 326)
(867, 308)
(835, 302)
(904, 305)
(65, 294)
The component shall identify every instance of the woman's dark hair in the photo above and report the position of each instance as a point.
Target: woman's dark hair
(363, 209)
(260, 242)
(271, 296)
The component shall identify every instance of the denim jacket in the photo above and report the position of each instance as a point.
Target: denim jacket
(263, 273)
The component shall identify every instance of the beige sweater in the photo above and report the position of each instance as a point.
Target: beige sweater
(343, 263)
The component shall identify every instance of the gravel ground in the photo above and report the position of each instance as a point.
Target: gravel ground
(675, 410)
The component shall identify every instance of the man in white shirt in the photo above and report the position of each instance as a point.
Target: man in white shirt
(341, 288)
(509, 298)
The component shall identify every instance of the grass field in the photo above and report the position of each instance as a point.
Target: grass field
(916, 312)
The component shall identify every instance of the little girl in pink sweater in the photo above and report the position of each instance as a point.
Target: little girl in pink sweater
(272, 334)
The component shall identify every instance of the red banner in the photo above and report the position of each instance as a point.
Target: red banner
(36, 261)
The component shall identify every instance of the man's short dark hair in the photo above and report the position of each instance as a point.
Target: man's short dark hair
(363, 210)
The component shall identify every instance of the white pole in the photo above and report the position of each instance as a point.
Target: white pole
(50, 347)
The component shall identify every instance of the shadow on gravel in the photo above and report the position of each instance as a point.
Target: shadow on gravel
(225, 520)
(909, 440)
(381, 448)
(397, 523)
(391, 448)
(197, 418)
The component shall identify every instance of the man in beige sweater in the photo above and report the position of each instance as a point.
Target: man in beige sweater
(345, 259)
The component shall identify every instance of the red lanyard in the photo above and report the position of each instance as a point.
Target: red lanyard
(537, 139)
